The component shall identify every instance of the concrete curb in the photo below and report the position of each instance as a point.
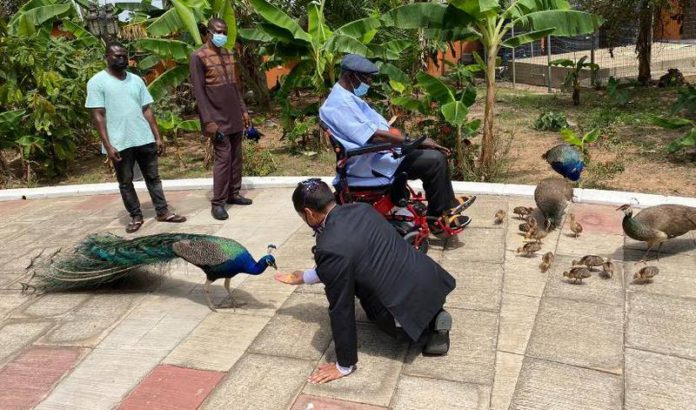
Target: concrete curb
(590, 196)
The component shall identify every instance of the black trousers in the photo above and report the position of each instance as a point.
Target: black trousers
(146, 157)
(430, 166)
(380, 316)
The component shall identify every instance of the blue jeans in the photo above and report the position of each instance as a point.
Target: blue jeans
(146, 157)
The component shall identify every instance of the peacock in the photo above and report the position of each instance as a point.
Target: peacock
(656, 224)
(104, 257)
(551, 196)
(565, 160)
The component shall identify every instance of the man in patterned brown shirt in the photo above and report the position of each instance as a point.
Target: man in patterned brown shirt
(223, 115)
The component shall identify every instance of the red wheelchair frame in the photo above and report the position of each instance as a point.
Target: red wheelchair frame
(414, 225)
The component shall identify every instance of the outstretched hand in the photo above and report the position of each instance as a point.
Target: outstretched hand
(294, 278)
(326, 373)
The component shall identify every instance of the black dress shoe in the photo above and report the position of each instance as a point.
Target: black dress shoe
(219, 212)
(439, 341)
(239, 200)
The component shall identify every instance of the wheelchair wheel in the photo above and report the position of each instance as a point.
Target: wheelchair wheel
(411, 239)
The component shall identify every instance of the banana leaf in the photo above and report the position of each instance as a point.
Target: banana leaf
(188, 19)
(83, 36)
(565, 22)
(416, 16)
(27, 22)
(166, 24)
(391, 50)
(522, 7)
(477, 9)
(169, 79)
(254, 34)
(149, 62)
(276, 16)
(227, 14)
(393, 72)
(339, 43)
(526, 38)
(688, 140)
(363, 29)
(167, 49)
(438, 90)
(670, 123)
(189, 125)
(455, 112)
(316, 27)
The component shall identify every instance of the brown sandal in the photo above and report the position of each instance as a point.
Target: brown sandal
(171, 217)
(134, 225)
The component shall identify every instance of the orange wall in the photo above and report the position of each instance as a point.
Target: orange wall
(668, 28)
(460, 47)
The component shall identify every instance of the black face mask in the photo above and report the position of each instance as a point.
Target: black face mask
(120, 64)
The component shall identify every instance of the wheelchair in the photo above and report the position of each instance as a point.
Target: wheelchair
(401, 206)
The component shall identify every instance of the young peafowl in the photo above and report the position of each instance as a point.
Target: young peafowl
(103, 258)
(551, 196)
(565, 160)
(656, 224)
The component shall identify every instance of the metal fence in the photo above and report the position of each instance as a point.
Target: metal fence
(529, 64)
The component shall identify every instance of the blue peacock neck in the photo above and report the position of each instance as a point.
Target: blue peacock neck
(257, 268)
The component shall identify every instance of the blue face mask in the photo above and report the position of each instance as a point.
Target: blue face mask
(361, 90)
(219, 40)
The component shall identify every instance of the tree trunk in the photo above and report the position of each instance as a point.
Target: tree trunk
(488, 140)
(644, 42)
(576, 94)
(459, 151)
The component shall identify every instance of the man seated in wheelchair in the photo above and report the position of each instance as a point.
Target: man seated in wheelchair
(354, 124)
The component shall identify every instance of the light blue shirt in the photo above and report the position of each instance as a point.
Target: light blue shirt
(352, 122)
(123, 101)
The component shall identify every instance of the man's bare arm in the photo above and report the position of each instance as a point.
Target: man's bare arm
(99, 119)
(150, 117)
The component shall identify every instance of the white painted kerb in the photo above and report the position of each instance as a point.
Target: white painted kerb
(590, 196)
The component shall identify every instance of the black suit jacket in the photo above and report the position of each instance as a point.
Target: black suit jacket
(360, 254)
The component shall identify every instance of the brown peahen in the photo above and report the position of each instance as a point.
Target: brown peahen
(656, 224)
(103, 258)
(551, 196)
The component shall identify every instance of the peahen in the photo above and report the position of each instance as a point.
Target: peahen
(551, 196)
(103, 258)
(565, 160)
(656, 224)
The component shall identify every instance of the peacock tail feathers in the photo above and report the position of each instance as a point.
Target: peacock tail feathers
(565, 160)
(103, 258)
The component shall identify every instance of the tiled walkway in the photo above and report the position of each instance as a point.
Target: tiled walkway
(521, 338)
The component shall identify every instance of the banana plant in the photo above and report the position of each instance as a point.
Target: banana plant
(35, 14)
(572, 79)
(453, 107)
(489, 21)
(319, 48)
(182, 19)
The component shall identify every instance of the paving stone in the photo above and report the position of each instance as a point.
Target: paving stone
(87, 325)
(300, 329)
(380, 359)
(10, 302)
(102, 379)
(218, 342)
(517, 316)
(262, 296)
(596, 219)
(478, 286)
(96, 204)
(661, 324)
(478, 245)
(307, 401)
(30, 376)
(507, 371)
(523, 276)
(676, 277)
(655, 381)
(8, 208)
(14, 336)
(594, 289)
(471, 357)
(158, 323)
(604, 245)
(549, 385)
(420, 393)
(171, 387)
(260, 382)
(482, 212)
(54, 305)
(570, 332)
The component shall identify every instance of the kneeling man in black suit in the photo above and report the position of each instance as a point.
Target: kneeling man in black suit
(359, 254)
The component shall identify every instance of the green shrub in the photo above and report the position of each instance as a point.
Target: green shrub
(257, 161)
(551, 121)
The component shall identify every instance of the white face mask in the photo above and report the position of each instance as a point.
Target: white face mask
(219, 40)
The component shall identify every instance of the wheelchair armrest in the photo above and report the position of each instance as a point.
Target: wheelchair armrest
(369, 148)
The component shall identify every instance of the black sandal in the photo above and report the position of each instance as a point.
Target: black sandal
(134, 224)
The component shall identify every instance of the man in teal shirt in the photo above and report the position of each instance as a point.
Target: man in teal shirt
(120, 105)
